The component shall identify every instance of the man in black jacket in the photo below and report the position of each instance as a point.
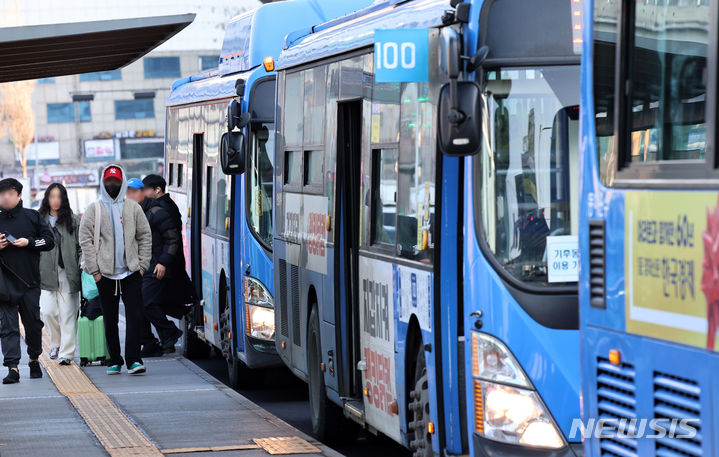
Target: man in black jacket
(166, 247)
(23, 235)
(183, 291)
(155, 186)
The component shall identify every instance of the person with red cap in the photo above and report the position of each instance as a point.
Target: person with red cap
(116, 244)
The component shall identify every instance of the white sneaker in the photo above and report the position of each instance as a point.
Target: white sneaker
(53, 352)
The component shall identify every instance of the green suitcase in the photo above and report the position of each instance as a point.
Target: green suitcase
(91, 340)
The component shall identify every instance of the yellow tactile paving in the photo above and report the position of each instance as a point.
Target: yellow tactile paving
(117, 434)
(283, 445)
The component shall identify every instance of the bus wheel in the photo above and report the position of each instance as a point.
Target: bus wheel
(326, 417)
(237, 371)
(420, 440)
(192, 346)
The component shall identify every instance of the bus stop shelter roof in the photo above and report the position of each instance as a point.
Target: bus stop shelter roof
(44, 51)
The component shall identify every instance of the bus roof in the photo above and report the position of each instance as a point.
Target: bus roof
(250, 38)
(356, 31)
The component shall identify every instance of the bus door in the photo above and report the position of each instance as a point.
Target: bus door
(202, 246)
(349, 138)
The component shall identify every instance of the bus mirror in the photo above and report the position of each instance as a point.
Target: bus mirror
(233, 115)
(450, 52)
(460, 118)
(232, 153)
(236, 119)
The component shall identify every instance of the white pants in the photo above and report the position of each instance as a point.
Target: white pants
(59, 312)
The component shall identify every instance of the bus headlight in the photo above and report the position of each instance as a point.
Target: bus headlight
(492, 361)
(259, 310)
(506, 407)
(516, 416)
(260, 322)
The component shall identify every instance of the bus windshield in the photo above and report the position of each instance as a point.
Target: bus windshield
(528, 173)
(259, 180)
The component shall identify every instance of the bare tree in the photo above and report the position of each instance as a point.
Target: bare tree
(17, 116)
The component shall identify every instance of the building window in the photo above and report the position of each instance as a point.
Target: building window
(208, 62)
(143, 108)
(162, 67)
(46, 81)
(68, 112)
(112, 75)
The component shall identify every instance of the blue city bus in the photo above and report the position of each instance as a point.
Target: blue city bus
(388, 254)
(228, 230)
(514, 236)
(649, 288)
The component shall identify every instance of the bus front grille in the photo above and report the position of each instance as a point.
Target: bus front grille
(677, 399)
(596, 264)
(616, 403)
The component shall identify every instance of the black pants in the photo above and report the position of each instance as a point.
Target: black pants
(165, 328)
(29, 308)
(130, 289)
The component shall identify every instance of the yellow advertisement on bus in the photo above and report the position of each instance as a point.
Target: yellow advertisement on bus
(672, 266)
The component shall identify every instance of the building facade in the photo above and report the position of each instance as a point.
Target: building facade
(85, 121)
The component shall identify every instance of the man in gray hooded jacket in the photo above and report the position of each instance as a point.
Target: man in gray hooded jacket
(116, 244)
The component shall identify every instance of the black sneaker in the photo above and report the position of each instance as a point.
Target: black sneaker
(12, 377)
(169, 345)
(35, 370)
(151, 350)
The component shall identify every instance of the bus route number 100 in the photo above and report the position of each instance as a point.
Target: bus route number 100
(389, 55)
(401, 55)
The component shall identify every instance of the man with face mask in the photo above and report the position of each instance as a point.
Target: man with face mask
(116, 245)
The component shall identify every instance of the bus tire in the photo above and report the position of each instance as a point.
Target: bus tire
(326, 417)
(420, 440)
(191, 345)
(237, 372)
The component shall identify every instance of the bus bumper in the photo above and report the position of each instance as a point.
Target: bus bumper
(260, 353)
(490, 448)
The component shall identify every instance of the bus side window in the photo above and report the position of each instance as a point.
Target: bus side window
(222, 205)
(416, 174)
(171, 175)
(313, 168)
(260, 179)
(293, 109)
(180, 175)
(384, 196)
(209, 201)
(669, 87)
(293, 167)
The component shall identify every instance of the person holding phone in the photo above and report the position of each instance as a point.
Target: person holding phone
(23, 236)
(60, 274)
